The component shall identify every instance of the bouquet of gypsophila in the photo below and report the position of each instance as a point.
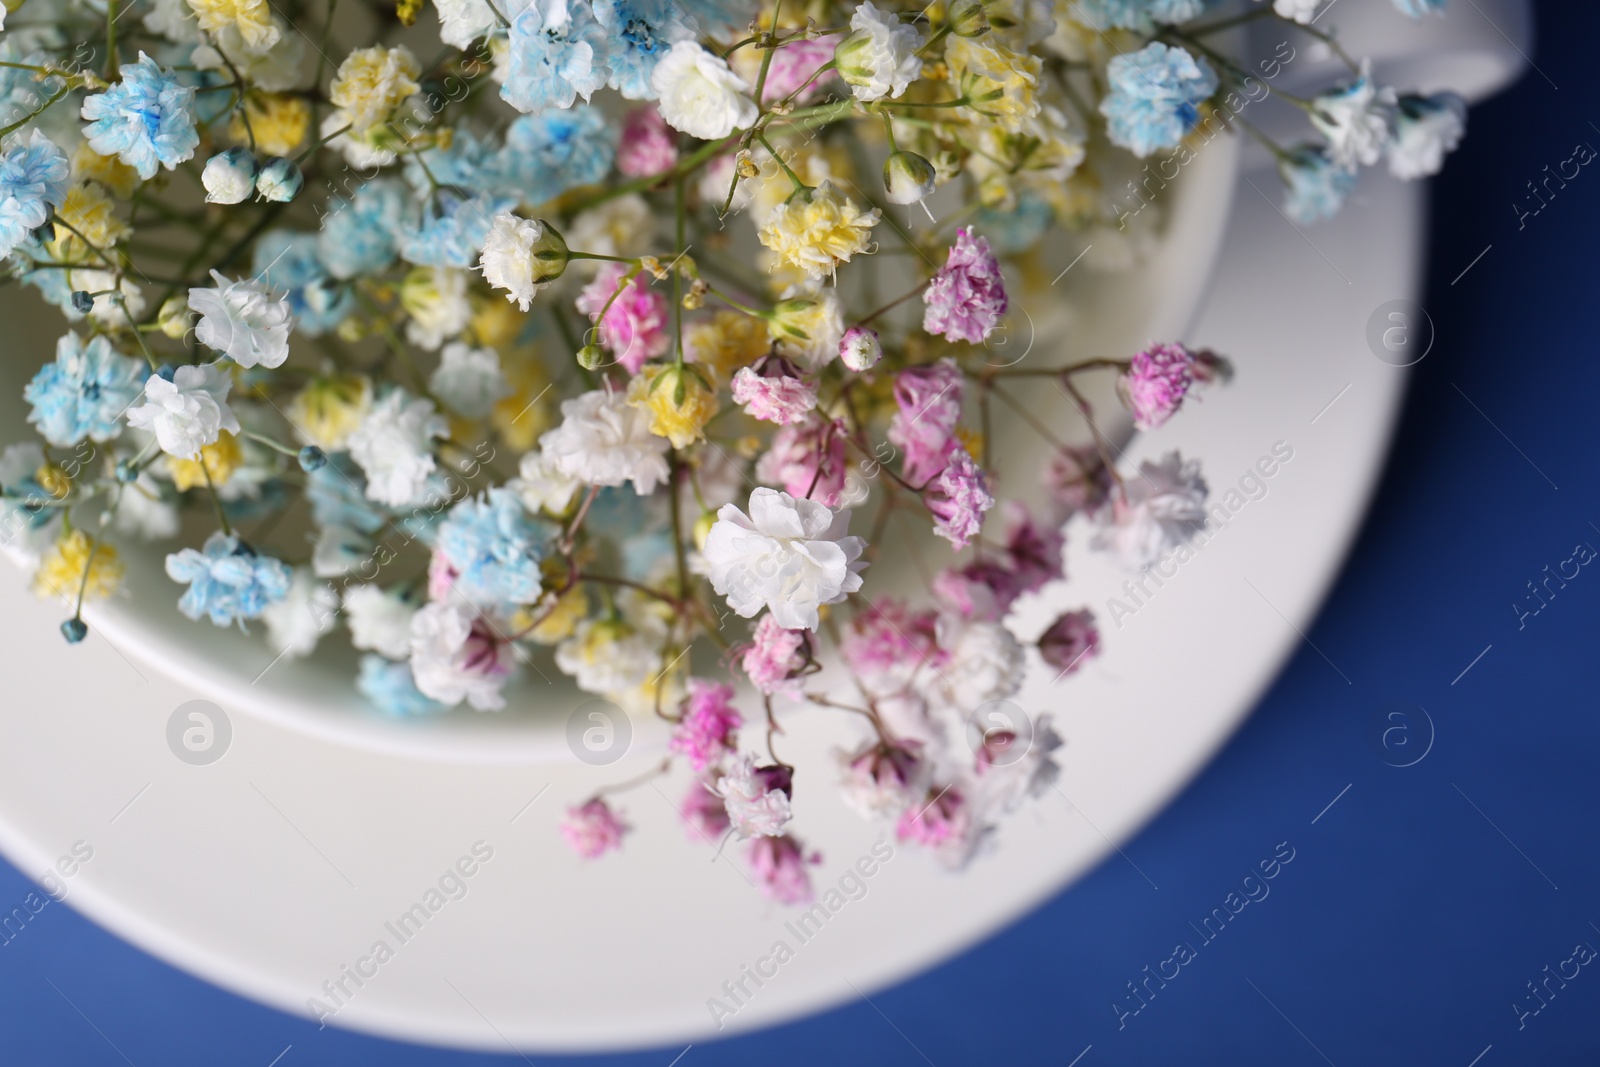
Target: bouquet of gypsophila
(465, 355)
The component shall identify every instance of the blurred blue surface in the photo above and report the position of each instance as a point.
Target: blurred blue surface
(1417, 908)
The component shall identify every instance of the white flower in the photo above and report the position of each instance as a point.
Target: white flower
(174, 20)
(436, 300)
(272, 69)
(339, 550)
(541, 486)
(243, 320)
(1427, 129)
(379, 621)
(1164, 507)
(700, 95)
(393, 446)
(229, 177)
(295, 622)
(880, 58)
(1301, 11)
(756, 808)
(188, 412)
(1356, 120)
(789, 556)
(469, 379)
(456, 656)
(364, 152)
(880, 780)
(619, 227)
(521, 256)
(463, 21)
(1006, 785)
(371, 83)
(611, 657)
(984, 663)
(143, 512)
(602, 440)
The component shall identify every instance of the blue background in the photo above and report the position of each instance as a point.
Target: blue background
(1416, 908)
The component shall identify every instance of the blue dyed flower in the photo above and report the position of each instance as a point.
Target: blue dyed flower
(33, 182)
(555, 55)
(1153, 98)
(337, 492)
(146, 119)
(390, 688)
(639, 32)
(1139, 15)
(84, 392)
(1316, 187)
(449, 231)
(494, 547)
(714, 15)
(228, 581)
(467, 165)
(1417, 8)
(358, 234)
(23, 501)
(1019, 229)
(545, 155)
(288, 262)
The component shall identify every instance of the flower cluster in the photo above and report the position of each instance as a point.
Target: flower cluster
(613, 325)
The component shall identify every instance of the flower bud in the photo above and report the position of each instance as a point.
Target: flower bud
(549, 254)
(74, 630)
(127, 471)
(967, 19)
(591, 356)
(280, 180)
(312, 458)
(229, 176)
(859, 348)
(907, 178)
(175, 318)
(82, 302)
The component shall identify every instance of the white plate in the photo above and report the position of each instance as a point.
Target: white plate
(272, 868)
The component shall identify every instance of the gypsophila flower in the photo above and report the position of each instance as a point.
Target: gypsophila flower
(699, 95)
(463, 21)
(1155, 383)
(706, 731)
(358, 234)
(33, 182)
(879, 58)
(83, 392)
(379, 620)
(592, 829)
(243, 320)
(187, 410)
(639, 32)
(371, 83)
(1154, 97)
(289, 263)
(1301, 11)
(705, 818)
(1135, 14)
(555, 54)
(457, 654)
(1356, 119)
(297, 621)
(521, 256)
(779, 866)
(958, 499)
(966, 299)
(609, 656)
(928, 407)
(794, 71)
(860, 349)
(882, 779)
(774, 392)
(77, 561)
(229, 177)
(774, 657)
(632, 322)
(1426, 129)
(228, 581)
(547, 154)
(450, 230)
(757, 798)
(146, 119)
(542, 486)
(646, 147)
(494, 549)
(251, 19)
(678, 400)
(1070, 640)
(436, 300)
(1161, 510)
(1315, 187)
(602, 440)
(808, 324)
(818, 230)
(997, 82)
(390, 688)
(787, 555)
(469, 380)
(807, 458)
(394, 447)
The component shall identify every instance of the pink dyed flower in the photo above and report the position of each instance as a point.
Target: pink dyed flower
(774, 391)
(441, 576)
(774, 657)
(757, 798)
(1033, 553)
(928, 400)
(647, 146)
(977, 591)
(1155, 384)
(794, 64)
(860, 349)
(634, 327)
(593, 829)
(704, 815)
(882, 779)
(1078, 480)
(1070, 640)
(958, 498)
(943, 816)
(779, 864)
(887, 644)
(709, 721)
(967, 297)
(807, 460)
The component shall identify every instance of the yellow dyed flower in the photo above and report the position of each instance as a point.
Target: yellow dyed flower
(818, 231)
(678, 401)
(54, 480)
(279, 121)
(995, 80)
(327, 411)
(252, 18)
(495, 323)
(522, 416)
(109, 171)
(372, 82)
(725, 342)
(221, 458)
(86, 213)
(77, 561)
(565, 612)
